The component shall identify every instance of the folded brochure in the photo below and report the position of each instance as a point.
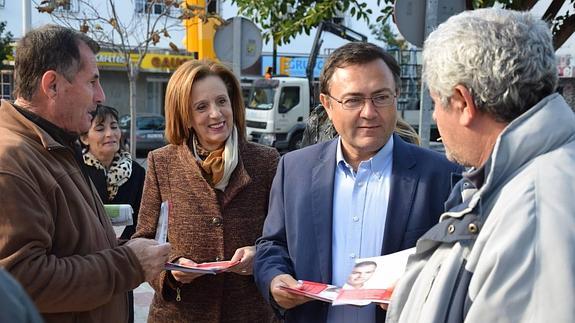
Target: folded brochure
(371, 280)
(203, 268)
(319, 291)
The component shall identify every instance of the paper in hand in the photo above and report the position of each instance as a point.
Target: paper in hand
(162, 227)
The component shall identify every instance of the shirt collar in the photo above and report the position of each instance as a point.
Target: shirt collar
(375, 164)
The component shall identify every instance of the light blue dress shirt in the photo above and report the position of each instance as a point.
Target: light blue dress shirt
(360, 202)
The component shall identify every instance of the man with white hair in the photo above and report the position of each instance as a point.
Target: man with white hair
(504, 250)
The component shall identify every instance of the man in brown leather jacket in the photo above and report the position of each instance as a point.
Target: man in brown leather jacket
(56, 239)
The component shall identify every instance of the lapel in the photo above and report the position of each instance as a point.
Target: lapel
(322, 204)
(404, 178)
(192, 173)
(238, 181)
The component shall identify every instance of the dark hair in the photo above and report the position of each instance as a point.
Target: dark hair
(356, 53)
(102, 111)
(99, 115)
(47, 48)
(179, 96)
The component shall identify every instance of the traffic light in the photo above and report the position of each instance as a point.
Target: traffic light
(200, 35)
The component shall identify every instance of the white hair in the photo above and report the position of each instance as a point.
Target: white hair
(504, 57)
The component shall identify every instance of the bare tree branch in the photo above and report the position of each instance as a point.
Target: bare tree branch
(552, 10)
(123, 32)
(565, 31)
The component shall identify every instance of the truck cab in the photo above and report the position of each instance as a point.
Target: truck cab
(277, 111)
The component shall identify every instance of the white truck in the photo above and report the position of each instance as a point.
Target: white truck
(277, 111)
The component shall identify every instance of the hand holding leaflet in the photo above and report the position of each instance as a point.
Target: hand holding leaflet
(323, 292)
(371, 280)
(283, 297)
(203, 268)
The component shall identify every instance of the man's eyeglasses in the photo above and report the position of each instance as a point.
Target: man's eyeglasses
(357, 102)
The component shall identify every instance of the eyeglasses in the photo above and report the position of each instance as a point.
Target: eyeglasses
(357, 102)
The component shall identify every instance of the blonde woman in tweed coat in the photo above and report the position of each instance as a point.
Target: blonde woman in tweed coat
(218, 186)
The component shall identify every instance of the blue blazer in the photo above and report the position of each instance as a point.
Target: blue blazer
(297, 233)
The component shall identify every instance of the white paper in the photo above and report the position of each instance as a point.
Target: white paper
(162, 228)
(120, 214)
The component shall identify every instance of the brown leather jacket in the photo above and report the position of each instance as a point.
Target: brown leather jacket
(55, 238)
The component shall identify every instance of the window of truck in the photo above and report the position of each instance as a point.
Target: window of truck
(261, 98)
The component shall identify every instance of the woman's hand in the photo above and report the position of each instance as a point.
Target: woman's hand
(245, 256)
(182, 277)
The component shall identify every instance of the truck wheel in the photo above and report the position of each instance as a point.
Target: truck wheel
(295, 142)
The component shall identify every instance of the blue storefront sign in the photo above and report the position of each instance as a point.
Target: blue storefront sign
(291, 65)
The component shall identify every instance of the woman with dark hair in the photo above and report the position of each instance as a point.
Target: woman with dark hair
(117, 177)
(217, 184)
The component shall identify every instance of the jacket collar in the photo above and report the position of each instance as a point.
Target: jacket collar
(524, 134)
(519, 143)
(323, 174)
(239, 179)
(12, 119)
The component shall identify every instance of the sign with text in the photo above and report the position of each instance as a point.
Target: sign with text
(291, 65)
(152, 61)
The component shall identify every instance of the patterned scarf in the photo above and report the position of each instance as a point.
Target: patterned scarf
(220, 163)
(211, 162)
(119, 172)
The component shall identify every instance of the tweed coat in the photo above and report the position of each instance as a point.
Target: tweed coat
(205, 225)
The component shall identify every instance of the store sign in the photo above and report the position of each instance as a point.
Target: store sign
(152, 61)
(566, 66)
(292, 66)
(164, 62)
(112, 59)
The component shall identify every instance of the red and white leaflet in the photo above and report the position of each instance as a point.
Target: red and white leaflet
(374, 281)
(203, 268)
(362, 297)
(386, 272)
(319, 291)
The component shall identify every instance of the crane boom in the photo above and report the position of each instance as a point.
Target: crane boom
(336, 29)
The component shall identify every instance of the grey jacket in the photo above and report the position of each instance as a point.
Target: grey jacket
(503, 252)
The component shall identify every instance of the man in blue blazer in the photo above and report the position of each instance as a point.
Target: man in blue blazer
(363, 194)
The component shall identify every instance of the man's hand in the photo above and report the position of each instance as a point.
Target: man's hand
(284, 298)
(183, 277)
(151, 255)
(245, 256)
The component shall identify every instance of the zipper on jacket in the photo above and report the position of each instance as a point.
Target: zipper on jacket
(178, 296)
